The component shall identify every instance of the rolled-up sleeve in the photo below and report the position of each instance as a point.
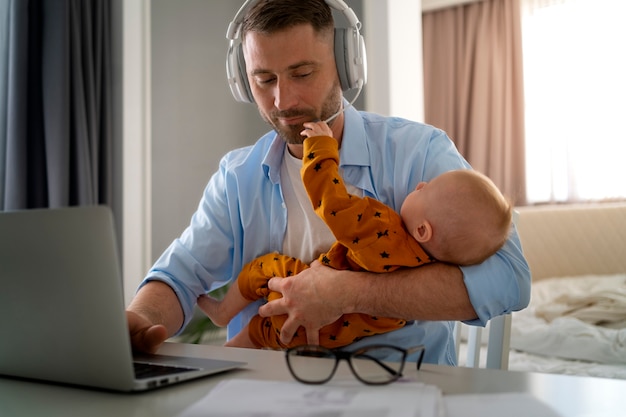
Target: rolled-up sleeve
(239, 217)
(501, 284)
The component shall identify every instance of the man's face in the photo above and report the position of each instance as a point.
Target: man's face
(293, 78)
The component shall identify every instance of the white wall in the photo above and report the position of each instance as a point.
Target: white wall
(132, 47)
(393, 36)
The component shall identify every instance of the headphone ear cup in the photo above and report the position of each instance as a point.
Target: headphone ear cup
(340, 58)
(236, 73)
(350, 58)
(243, 75)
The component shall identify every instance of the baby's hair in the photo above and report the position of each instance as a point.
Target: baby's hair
(472, 220)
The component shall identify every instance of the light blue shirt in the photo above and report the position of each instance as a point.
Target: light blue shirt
(242, 215)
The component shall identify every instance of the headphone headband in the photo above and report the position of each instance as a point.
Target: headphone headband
(349, 52)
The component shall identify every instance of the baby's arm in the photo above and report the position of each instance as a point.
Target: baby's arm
(369, 229)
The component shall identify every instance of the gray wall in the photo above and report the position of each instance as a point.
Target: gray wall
(195, 120)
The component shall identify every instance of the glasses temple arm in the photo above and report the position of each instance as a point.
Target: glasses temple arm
(382, 365)
(414, 349)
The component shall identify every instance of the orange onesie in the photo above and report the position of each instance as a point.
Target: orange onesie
(370, 236)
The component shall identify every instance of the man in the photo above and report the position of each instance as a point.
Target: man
(255, 204)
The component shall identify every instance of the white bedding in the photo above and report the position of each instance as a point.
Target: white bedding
(527, 362)
(574, 325)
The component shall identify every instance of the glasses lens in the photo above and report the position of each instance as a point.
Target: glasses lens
(311, 364)
(378, 364)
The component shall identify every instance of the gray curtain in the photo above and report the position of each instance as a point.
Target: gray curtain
(55, 109)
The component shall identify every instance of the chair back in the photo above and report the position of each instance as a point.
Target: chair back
(497, 343)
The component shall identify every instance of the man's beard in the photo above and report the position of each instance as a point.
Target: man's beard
(291, 134)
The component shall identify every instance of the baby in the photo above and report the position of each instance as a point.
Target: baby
(460, 217)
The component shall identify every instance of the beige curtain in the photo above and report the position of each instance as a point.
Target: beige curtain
(473, 87)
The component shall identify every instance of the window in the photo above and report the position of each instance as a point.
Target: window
(575, 92)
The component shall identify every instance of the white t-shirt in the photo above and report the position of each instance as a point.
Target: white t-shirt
(307, 235)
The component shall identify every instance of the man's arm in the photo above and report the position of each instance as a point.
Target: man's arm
(320, 295)
(154, 315)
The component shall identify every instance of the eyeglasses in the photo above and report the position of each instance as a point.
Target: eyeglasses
(372, 365)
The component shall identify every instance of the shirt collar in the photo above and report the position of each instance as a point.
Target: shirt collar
(273, 157)
(354, 149)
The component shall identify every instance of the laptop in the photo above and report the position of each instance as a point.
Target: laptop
(62, 313)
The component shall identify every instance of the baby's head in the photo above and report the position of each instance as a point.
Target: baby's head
(459, 217)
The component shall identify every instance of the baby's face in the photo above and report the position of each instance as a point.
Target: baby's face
(413, 208)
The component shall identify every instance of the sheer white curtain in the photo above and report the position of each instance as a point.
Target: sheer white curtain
(575, 92)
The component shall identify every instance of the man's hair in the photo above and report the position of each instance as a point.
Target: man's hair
(269, 16)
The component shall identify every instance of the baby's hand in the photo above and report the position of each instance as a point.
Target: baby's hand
(318, 128)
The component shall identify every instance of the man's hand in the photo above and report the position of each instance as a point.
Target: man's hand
(145, 337)
(155, 302)
(308, 299)
(320, 295)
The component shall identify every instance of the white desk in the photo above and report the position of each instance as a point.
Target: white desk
(571, 396)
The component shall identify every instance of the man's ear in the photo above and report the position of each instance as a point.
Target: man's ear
(423, 232)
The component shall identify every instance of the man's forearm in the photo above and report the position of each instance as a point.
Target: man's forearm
(157, 302)
(430, 292)
(319, 296)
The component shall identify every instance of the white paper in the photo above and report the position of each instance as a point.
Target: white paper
(514, 404)
(254, 398)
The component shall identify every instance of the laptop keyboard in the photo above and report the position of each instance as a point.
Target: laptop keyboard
(149, 370)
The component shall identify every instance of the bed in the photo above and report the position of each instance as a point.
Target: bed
(576, 321)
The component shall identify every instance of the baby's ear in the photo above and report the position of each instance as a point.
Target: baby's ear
(423, 232)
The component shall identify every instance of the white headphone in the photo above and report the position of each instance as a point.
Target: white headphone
(349, 53)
